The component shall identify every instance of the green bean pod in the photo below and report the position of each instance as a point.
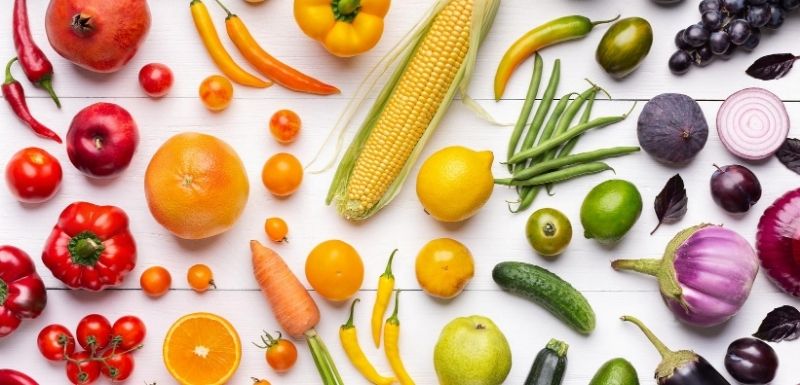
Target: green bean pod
(583, 157)
(587, 114)
(533, 90)
(558, 175)
(544, 107)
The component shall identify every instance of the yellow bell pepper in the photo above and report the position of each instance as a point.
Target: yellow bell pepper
(344, 27)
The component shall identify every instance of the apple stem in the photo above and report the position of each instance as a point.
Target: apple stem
(98, 142)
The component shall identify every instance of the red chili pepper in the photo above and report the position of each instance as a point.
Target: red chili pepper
(90, 247)
(22, 292)
(13, 377)
(15, 96)
(37, 68)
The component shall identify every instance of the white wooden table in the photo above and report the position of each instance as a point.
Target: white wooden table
(494, 235)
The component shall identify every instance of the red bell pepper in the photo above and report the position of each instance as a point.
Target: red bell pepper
(90, 247)
(22, 292)
(13, 377)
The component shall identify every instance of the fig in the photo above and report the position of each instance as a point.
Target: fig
(672, 128)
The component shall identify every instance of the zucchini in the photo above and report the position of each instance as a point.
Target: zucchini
(550, 364)
(549, 291)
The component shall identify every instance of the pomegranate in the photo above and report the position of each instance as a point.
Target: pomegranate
(99, 35)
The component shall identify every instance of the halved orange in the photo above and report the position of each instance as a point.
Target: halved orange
(202, 349)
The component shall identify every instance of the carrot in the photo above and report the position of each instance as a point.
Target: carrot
(293, 307)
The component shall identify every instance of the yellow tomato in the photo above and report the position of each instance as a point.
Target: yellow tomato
(276, 229)
(216, 92)
(444, 266)
(334, 269)
(282, 174)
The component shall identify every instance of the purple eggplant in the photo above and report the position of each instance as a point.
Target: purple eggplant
(683, 367)
(705, 275)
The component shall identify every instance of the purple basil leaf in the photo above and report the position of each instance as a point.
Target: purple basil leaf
(772, 67)
(789, 154)
(781, 324)
(671, 203)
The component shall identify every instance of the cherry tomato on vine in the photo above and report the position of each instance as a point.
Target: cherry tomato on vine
(33, 175)
(55, 340)
(276, 229)
(94, 330)
(216, 92)
(82, 370)
(156, 79)
(155, 281)
(118, 367)
(281, 354)
(284, 126)
(200, 278)
(129, 331)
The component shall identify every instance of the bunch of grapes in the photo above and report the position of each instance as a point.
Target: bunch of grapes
(725, 26)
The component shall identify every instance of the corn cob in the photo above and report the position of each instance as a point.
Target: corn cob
(410, 106)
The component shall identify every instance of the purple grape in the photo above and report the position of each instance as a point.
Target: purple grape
(776, 17)
(756, 2)
(752, 41)
(733, 7)
(790, 5)
(739, 31)
(703, 56)
(679, 42)
(719, 42)
(680, 62)
(696, 35)
(712, 20)
(709, 5)
(758, 16)
(729, 53)
(735, 188)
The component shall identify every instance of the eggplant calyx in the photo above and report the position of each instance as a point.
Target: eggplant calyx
(670, 360)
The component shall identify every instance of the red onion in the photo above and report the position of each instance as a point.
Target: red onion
(778, 242)
(753, 123)
(705, 275)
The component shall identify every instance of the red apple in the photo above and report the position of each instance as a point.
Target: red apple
(101, 140)
(99, 35)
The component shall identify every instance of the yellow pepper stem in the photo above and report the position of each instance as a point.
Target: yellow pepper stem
(388, 272)
(349, 323)
(394, 319)
(346, 10)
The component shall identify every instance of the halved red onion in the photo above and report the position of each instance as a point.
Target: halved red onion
(778, 242)
(753, 123)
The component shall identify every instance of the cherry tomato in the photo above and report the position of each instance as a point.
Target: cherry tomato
(200, 278)
(94, 330)
(156, 79)
(82, 370)
(281, 354)
(155, 281)
(257, 381)
(276, 229)
(549, 232)
(118, 367)
(55, 340)
(284, 126)
(33, 175)
(129, 331)
(216, 92)
(282, 174)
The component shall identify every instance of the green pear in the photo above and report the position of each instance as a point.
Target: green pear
(472, 351)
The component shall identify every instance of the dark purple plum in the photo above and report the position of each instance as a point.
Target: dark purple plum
(735, 188)
(751, 361)
(672, 128)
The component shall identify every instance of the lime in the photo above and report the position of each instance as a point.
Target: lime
(610, 210)
(549, 232)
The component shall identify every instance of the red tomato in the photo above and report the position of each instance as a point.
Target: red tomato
(94, 330)
(55, 340)
(118, 367)
(82, 370)
(284, 126)
(155, 79)
(33, 175)
(129, 331)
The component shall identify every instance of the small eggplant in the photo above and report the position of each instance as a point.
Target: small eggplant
(683, 367)
(705, 275)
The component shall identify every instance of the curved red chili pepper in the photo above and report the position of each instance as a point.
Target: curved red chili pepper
(15, 96)
(22, 292)
(13, 377)
(90, 247)
(37, 67)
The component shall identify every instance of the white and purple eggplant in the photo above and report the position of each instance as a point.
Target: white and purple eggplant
(705, 275)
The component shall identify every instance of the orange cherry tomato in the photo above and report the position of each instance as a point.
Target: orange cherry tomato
(276, 229)
(282, 174)
(216, 92)
(155, 281)
(281, 354)
(335, 270)
(284, 126)
(200, 278)
(257, 381)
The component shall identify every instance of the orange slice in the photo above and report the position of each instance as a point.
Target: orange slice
(202, 349)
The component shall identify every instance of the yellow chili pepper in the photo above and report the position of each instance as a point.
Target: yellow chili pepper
(344, 27)
(349, 339)
(221, 57)
(391, 337)
(384, 294)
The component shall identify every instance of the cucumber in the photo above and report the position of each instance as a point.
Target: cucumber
(549, 291)
(550, 364)
(617, 371)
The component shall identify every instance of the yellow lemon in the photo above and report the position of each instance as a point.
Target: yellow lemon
(455, 182)
(444, 266)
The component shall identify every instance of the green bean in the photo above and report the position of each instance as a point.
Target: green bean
(527, 198)
(544, 107)
(558, 175)
(569, 134)
(533, 90)
(566, 119)
(587, 113)
(569, 160)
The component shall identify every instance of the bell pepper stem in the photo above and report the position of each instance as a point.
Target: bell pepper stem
(3, 292)
(10, 78)
(349, 323)
(347, 7)
(85, 248)
(644, 266)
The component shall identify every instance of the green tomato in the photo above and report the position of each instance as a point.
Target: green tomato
(549, 232)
